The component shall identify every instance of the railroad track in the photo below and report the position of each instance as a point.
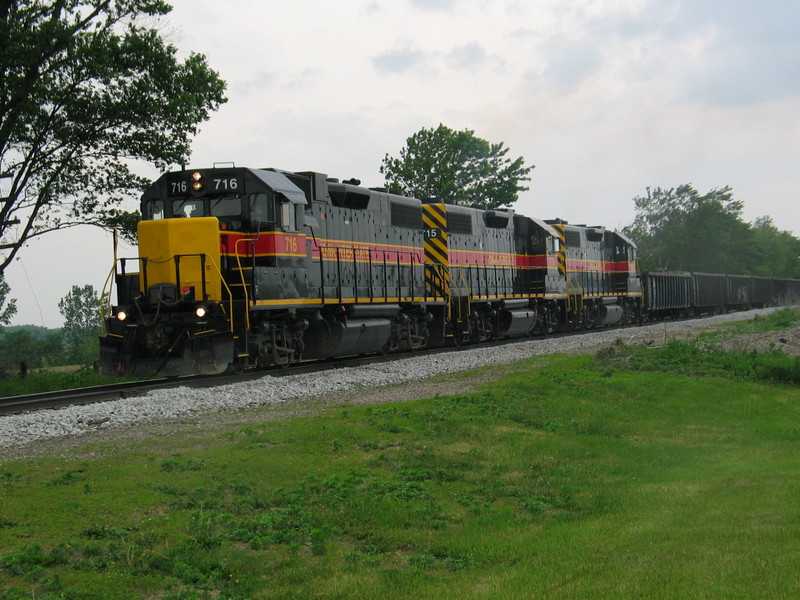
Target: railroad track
(79, 396)
(61, 398)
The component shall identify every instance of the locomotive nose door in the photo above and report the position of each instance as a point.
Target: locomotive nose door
(184, 253)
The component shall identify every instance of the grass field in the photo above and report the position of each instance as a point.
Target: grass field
(624, 475)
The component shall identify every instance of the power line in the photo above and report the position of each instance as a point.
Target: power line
(24, 270)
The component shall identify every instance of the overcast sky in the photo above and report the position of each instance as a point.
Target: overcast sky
(605, 97)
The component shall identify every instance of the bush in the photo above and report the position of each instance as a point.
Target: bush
(693, 358)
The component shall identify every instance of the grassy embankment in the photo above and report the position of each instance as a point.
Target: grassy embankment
(649, 473)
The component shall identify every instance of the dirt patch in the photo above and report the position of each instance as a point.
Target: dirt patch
(787, 341)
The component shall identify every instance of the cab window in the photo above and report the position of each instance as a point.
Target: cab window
(262, 210)
(538, 243)
(187, 208)
(226, 207)
(154, 210)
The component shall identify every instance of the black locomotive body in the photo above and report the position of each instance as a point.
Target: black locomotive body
(240, 268)
(293, 264)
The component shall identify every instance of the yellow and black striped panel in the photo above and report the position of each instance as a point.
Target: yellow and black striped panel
(437, 260)
(562, 250)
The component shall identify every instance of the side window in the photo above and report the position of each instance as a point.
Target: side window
(154, 210)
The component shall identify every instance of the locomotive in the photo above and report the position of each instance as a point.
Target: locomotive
(242, 267)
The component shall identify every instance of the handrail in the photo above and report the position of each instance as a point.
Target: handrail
(340, 254)
(105, 294)
(230, 294)
(573, 284)
(241, 275)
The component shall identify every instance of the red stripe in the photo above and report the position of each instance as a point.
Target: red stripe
(295, 245)
(598, 266)
(287, 244)
(266, 244)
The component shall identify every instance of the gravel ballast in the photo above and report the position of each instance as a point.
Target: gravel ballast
(17, 431)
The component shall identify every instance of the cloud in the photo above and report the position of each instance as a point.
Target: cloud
(407, 58)
(433, 5)
(745, 53)
(259, 82)
(752, 56)
(570, 63)
(468, 55)
(471, 56)
(399, 60)
(739, 76)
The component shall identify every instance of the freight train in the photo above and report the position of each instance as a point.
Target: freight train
(241, 268)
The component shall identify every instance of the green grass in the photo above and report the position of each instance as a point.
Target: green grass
(579, 478)
(698, 358)
(776, 321)
(706, 356)
(779, 320)
(47, 381)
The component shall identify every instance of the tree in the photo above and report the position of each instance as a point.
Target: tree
(37, 346)
(457, 167)
(87, 88)
(81, 311)
(17, 344)
(7, 308)
(778, 251)
(681, 229)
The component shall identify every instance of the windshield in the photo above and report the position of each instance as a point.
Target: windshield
(226, 207)
(187, 208)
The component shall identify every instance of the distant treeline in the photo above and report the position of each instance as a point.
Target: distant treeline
(74, 344)
(40, 347)
(681, 230)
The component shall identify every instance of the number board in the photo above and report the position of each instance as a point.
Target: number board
(212, 182)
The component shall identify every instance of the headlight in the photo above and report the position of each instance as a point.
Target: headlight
(122, 315)
(200, 312)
